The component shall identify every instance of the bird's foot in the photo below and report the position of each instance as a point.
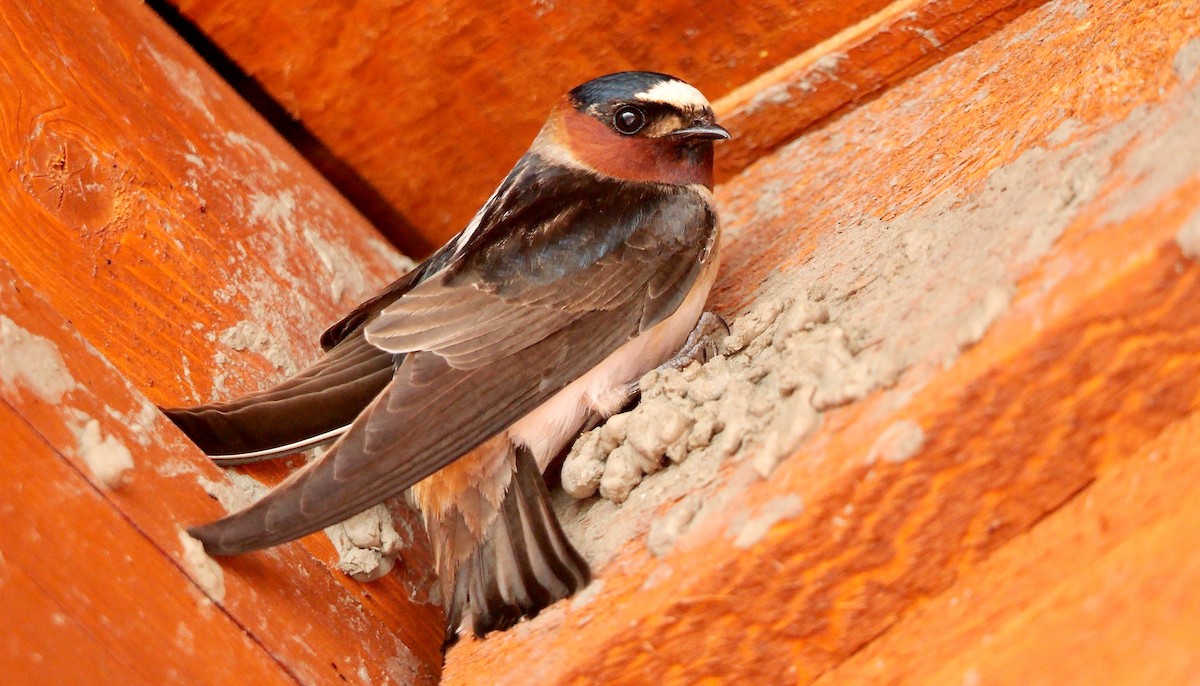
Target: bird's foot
(701, 343)
(700, 346)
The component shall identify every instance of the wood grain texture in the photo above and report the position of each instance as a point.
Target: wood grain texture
(849, 68)
(1097, 353)
(434, 102)
(47, 642)
(106, 581)
(1091, 369)
(199, 255)
(157, 211)
(270, 595)
(1101, 591)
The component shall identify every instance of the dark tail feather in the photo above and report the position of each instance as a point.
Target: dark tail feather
(310, 408)
(525, 564)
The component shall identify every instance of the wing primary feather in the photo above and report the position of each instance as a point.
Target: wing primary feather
(271, 453)
(312, 407)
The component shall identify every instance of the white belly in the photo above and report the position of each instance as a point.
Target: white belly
(602, 390)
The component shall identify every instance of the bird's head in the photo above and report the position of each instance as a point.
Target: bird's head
(635, 126)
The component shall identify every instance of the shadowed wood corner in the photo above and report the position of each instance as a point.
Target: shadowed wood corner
(950, 438)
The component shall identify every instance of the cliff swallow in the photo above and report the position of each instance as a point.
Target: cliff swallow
(589, 266)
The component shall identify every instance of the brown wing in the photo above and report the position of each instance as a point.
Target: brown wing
(579, 255)
(485, 351)
(518, 179)
(368, 310)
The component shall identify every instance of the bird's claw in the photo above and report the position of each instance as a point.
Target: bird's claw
(701, 344)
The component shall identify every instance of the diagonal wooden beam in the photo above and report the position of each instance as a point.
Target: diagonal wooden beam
(1101, 591)
(190, 248)
(153, 479)
(106, 584)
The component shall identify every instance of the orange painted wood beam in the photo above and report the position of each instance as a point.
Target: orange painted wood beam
(850, 67)
(136, 611)
(1097, 352)
(181, 225)
(200, 256)
(48, 642)
(86, 413)
(1101, 591)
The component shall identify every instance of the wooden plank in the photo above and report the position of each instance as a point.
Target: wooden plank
(850, 67)
(47, 644)
(183, 229)
(82, 408)
(433, 104)
(201, 256)
(1102, 591)
(109, 580)
(1095, 354)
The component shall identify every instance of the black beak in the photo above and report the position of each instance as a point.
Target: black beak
(705, 132)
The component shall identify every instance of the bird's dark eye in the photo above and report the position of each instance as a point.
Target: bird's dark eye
(629, 119)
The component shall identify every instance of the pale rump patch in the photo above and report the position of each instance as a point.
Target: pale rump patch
(676, 93)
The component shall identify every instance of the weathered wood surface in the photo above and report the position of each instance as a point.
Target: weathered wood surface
(899, 40)
(101, 581)
(60, 393)
(1088, 110)
(1103, 591)
(446, 96)
(146, 210)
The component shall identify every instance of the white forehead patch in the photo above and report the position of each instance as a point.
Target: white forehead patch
(675, 93)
